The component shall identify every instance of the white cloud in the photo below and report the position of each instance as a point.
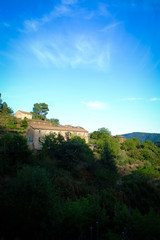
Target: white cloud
(95, 105)
(154, 99)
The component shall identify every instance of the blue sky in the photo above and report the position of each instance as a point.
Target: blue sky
(95, 63)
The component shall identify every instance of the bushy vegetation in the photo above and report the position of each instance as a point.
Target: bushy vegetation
(4, 107)
(9, 123)
(67, 188)
(142, 137)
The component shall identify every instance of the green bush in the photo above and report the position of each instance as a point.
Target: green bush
(105, 178)
(24, 123)
(29, 207)
(131, 144)
(70, 154)
(14, 153)
(145, 226)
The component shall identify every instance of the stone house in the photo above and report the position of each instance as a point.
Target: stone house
(38, 129)
(122, 139)
(21, 115)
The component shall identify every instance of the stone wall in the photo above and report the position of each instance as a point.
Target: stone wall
(35, 136)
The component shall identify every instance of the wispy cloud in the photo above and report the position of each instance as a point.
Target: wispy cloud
(63, 47)
(95, 105)
(31, 25)
(141, 5)
(73, 51)
(156, 64)
(89, 15)
(69, 8)
(5, 24)
(68, 2)
(131, 99)
(61, 10)
(103, 10)
(110, 26)
(154, 99)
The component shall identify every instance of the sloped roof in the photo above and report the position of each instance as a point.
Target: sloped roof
(58, 128)
(24, 112)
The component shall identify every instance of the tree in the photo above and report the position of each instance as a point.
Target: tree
(40, 110)
(131, 144)
(102, 132)
(4, 107)
(158, 143)
(0, 100)
(30, 203)
(24, 123)
(75, 152)
(106, 144)
(150, 152)
(14, 153)
(55, 121)
(70, 153)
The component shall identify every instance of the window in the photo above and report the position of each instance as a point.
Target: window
(67, 135)
(29, 139)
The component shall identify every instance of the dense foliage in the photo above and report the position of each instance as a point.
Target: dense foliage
(142, 137)
(67, 188)
(4, 107)
(40, 110)
(54, 121)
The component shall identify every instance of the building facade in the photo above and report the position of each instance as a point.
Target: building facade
(38, 129)
(21, 115)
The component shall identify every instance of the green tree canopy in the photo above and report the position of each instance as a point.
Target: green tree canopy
(30, 203)
(14, 153)
(55, 121)
(0, 100)
(101, 133)
(4, 107)
(131, 144)
(40, 110)
(69, 153)
(106, 144)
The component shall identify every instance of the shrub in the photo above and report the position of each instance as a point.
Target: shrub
(30, 203)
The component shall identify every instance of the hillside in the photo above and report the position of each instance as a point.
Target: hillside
(154, 137)
(10, 124)
(66, 190)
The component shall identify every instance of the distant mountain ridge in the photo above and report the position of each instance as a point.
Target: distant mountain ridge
(142, 136)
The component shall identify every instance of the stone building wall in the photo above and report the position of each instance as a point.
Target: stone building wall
(35, 134)
(21, 115)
